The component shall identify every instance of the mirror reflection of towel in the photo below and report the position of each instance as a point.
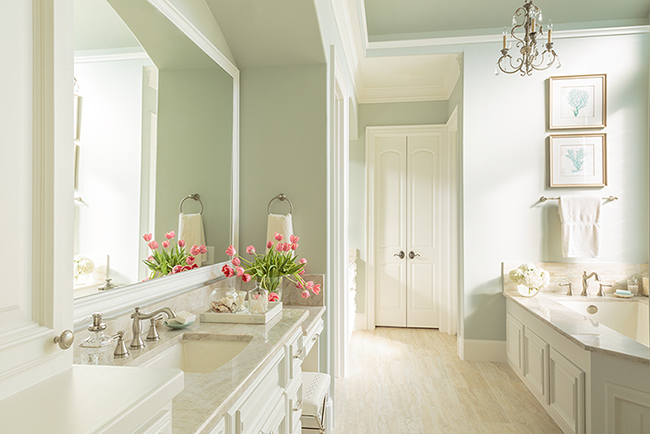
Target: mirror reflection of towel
(190, 229)
(580, 218)
(281, 224)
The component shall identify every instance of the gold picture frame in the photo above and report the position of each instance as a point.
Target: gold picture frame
(578, 160)
(577, 101)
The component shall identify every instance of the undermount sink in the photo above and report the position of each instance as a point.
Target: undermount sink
(199, 353)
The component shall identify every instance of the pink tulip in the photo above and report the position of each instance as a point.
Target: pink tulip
(240, 271)
(250, 250)
(190, 260)
(236, 262)
(279, 247)
(294, 246)
(194, 251)
(286, 247)
(147, 237)
(150, 259)
(302, 261)
(195, 266)
(279, 236)
(230, 251)
(246, 277)
(177, 269)
(186, 268)
(165, 244)
(299, 286)
(269, 244)
(181, 243)
(309, 285)
(227, 271)
(316, 289)
(170, 235)
(203, 249)
(273, 296)
(301, 272)
(153, 245)
(305, 294)
(294, 239)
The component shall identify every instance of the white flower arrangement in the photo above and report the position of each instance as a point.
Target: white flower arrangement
(83, 266)
(531, 277)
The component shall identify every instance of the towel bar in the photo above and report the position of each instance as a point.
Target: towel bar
(544, 198)
(280, 197)
(194, 196)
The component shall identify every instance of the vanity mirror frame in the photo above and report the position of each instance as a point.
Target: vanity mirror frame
(122, 300)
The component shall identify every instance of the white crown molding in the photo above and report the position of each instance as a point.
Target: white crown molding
(481, 39)
(404, 94)
(113, 57)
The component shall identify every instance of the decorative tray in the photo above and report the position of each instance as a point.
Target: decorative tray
(275, 308)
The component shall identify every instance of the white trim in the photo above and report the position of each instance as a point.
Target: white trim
(435, 92)
(92, 58)
(123, 299)
(360, 322)
(338, 186)
(476, 350)
(481, 39)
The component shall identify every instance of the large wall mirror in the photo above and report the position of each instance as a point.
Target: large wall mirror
(156, 125)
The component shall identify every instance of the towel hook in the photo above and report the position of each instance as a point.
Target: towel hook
(281, 197)
(194, 196)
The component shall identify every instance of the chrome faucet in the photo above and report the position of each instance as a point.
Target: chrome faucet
(585, 283)
(137, 342)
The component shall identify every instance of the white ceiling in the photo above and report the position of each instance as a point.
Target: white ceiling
(98, 27)
(411, 19)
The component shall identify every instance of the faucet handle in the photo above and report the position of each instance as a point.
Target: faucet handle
(570, 291)
(153, 331)
(120, 349)
(601, 293)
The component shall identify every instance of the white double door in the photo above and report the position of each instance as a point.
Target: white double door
(408, 224)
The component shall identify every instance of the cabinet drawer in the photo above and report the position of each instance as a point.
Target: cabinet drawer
(311, 337)
(262, 397)
(294, 352)
(294, 404)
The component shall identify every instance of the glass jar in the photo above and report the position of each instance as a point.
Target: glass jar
(97, 349)
(633, 285)
(227, 300)
(258, 300)
(273, 285)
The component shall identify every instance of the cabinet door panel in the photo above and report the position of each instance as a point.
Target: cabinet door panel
(514, 339)
(567, 393)
(536, 364)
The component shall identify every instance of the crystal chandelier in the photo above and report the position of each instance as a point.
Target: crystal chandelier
(531, 59)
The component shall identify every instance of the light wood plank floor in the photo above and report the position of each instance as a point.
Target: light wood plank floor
(411, 381)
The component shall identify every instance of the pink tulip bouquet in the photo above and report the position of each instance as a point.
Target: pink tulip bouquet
(268, 270)
(172, 260)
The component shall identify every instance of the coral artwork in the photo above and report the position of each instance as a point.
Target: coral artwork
(577, 157)
(577, 98)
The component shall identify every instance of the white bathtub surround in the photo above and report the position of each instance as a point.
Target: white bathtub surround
(580, 230)
(590, 378)
(614, 273)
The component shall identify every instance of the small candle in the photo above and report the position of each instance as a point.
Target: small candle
(532, 26)
(504, 41)
(549, 35)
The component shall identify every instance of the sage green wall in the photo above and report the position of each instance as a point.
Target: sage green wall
(403, 113)
(283, 150)
(505, 167)
(195, 151)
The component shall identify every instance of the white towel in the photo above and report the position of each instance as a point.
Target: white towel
(281, 224)
(190, 229)
(580, 218)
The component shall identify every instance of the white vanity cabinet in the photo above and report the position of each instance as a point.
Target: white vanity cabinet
(310, 343)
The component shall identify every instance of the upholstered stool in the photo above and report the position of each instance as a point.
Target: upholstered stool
(315, 387)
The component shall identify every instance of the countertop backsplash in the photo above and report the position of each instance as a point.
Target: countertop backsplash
(612, 273)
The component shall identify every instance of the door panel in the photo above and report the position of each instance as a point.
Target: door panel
(423, 229)
(390, 230)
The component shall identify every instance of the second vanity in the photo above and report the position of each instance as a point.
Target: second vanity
(257, 384)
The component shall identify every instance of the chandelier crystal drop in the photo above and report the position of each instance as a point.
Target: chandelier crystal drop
(528, 18)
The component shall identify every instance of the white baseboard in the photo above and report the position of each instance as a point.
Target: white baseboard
(475, 350)
(360, 321)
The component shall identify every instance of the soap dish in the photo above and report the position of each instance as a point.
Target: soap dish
(177, 326)
(623, 296)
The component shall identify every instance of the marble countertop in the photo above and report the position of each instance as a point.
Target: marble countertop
(314, 314)
(206, 397)
(79, 400)
(588, 335)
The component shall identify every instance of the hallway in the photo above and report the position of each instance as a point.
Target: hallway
(411, 381)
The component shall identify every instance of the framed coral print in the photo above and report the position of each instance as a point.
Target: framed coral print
(578, 160)
(578, 101)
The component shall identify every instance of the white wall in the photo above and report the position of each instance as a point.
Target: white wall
(109, 166)
(505, 167)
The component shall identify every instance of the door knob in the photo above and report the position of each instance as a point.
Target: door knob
(412, 254)
(400, 254)
(65, 340)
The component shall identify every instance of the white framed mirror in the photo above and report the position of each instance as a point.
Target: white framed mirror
(157, 120)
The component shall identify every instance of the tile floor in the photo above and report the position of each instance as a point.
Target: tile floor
(411, 381)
